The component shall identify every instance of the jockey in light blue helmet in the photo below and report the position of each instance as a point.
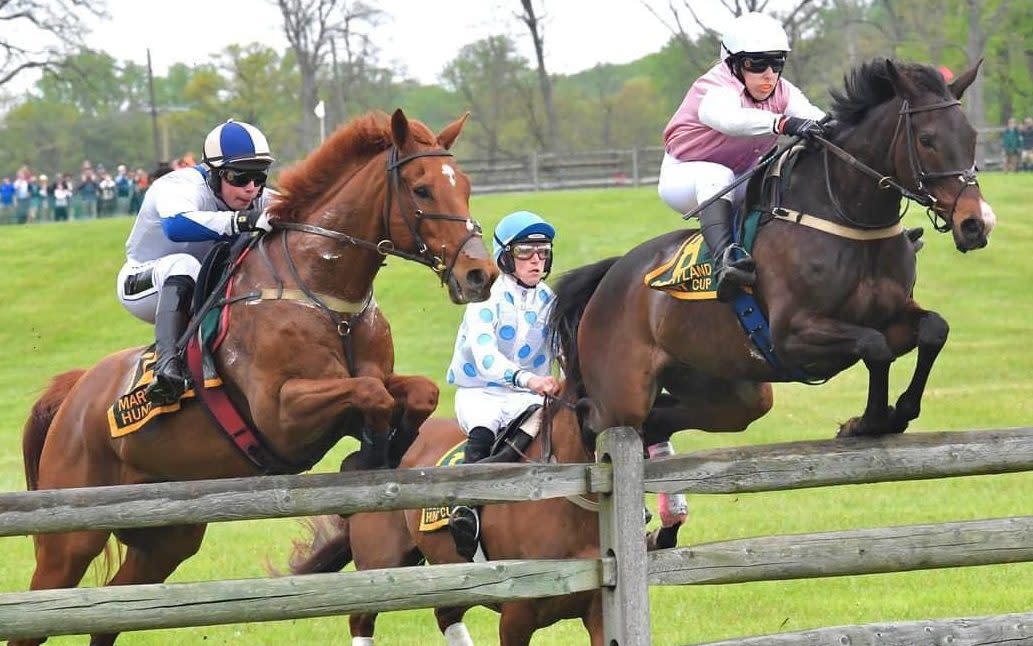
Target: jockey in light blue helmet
(520, 226)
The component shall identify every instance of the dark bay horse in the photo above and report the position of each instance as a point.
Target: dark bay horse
(553, 528)
(307, 357)
(835, 285)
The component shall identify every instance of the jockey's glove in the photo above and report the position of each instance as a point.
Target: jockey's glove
(251, 221)
(800, 127)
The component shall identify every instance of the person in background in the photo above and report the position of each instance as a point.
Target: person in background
(123, 190)
(184, 213)
(46, 199)
(1027, 143)
(62, 199)
(140, 183)
(6, 200)
(1011, 143)
(729, 118)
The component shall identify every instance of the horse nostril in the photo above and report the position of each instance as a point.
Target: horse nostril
(476, 278)
(972, 227)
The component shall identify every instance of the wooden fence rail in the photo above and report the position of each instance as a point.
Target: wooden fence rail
(623, 573)
(773, 467)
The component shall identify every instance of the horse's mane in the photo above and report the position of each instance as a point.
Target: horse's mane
(868, 86)
(308, 182)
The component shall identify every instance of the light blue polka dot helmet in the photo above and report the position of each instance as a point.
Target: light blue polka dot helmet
(519, 227)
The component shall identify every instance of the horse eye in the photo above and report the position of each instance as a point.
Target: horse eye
(421, 191)
(926, 140)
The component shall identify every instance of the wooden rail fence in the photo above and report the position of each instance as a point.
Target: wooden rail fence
(623, 571)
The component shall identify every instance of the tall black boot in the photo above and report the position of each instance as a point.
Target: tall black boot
(464, 522)
(478, 445)
(170, 322)
(733, 267)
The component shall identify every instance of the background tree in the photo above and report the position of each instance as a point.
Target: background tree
(533, 20)
(486, 76)
(39, 34)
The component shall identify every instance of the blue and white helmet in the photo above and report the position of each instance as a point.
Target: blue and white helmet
(237, 144)
(518, 226)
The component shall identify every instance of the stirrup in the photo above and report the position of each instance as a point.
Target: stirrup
(164, 391)
(738, 258)
(465, 526)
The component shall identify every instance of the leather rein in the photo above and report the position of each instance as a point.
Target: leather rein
(386, 246)
(941, 220)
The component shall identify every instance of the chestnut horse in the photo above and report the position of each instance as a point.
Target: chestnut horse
(301, 365)
(835, 285)
(554, 528)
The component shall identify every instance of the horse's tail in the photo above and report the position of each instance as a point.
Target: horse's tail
(328, 549)
(40, 417)
(573, 290)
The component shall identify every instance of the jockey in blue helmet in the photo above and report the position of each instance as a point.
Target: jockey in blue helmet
(183, 215)
(503, 356)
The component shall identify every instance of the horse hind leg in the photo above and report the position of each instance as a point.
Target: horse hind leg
(61, 562)
(151, 556)
(450, 623)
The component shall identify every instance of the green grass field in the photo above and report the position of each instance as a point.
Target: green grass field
(59, 311)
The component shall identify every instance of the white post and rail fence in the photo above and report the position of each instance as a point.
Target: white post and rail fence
(623, 571)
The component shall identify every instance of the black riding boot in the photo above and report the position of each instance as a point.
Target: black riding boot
(170, 322)
(733, 267)
(478, 445)
(464, 523)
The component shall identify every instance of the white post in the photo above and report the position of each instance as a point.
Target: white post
(320, 111)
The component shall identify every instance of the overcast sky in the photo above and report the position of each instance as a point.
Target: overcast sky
(422, 35)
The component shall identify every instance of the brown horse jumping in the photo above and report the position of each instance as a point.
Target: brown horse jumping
(307, 358)
(835, 285)
(554, 528)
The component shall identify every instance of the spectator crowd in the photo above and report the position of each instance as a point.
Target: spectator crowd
(95, 192)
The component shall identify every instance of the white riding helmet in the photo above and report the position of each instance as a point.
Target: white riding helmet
(754, 32)
(237, 144)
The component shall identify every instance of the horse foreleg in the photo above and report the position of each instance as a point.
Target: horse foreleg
(307, 409)
(416, 395)
(415, 399)
(932, 336)
(518, 623)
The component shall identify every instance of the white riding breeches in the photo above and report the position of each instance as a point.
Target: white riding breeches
(684, 185)
(139, 284)
(491, 408)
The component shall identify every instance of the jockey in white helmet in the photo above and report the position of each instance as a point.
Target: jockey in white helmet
(730, 116)
(183, 214)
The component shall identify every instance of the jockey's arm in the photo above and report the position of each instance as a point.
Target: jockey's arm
(491, 364)
(181, 219)
(722, 110)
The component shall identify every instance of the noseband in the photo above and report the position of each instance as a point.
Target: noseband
(942, 221)
(386, 247)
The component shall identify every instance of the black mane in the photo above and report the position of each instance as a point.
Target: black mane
(868, 86)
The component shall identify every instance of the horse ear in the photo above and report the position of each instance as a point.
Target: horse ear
(964, 80)
(449, 133)
(399, 128)
(901, 85)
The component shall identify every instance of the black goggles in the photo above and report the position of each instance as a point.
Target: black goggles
(757, 63)
(241, 178)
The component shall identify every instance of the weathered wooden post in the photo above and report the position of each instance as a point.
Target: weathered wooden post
(622, 539)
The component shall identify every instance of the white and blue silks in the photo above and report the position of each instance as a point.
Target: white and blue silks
(501, 343)
(179, 221)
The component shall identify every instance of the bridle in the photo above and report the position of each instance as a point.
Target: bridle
(386, 247)
(942, 221)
